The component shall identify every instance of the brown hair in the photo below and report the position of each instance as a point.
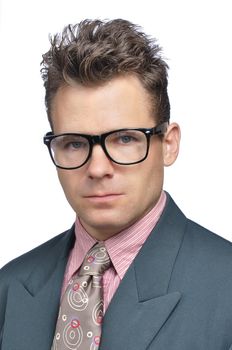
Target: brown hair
(93, 52)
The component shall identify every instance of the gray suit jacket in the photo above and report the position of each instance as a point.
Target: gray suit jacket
(177, 294)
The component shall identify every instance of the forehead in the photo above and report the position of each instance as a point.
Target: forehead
(120, 103)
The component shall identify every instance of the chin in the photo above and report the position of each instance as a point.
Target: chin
(105, 225)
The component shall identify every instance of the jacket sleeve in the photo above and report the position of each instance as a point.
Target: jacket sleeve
(3, 300)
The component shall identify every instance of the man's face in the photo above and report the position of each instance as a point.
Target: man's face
(106, 196)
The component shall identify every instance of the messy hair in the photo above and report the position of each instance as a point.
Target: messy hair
(93, 52)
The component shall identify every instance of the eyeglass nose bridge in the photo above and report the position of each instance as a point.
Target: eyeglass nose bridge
(98, 140)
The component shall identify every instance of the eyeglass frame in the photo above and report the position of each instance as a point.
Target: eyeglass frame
(157, 130)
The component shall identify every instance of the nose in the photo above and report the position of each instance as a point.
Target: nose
(99, 165)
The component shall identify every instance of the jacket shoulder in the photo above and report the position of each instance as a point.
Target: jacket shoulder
(207, 240)
(205, 259)
(202, 252)
(21, 266)
(199, 237)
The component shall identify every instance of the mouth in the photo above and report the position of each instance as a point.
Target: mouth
(101, 198)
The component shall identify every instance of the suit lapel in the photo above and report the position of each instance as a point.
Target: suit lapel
(32, 305)
(132, 324)
(143, 301)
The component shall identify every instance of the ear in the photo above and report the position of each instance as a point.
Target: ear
(171, 143)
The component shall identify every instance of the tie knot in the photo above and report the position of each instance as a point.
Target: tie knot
(96, 261)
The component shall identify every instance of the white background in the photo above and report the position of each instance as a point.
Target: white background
(196, 39)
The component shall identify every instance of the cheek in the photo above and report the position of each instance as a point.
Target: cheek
(147, 180)
(68, 181)
(153, 182)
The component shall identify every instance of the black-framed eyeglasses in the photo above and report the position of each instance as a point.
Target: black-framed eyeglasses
(122, 146)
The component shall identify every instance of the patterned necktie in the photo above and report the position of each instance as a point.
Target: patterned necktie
(81, 311)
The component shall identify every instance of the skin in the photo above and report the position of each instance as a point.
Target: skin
(106, 196)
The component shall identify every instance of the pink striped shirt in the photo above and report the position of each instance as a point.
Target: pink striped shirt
(122, 249)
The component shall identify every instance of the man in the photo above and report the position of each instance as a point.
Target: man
(168, 281)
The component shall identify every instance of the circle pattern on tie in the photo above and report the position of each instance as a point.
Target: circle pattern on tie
(73, 335)
(78, 298)
(100, 256)
(97, 313)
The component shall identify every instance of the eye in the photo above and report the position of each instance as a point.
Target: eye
(70, 143)
(126, 139)
(75, 145)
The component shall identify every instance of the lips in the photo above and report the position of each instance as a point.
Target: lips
(100, 194)
(103, 197)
